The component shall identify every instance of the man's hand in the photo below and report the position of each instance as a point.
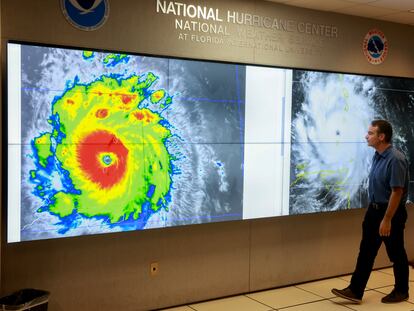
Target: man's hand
(385, 228)
(395, 198)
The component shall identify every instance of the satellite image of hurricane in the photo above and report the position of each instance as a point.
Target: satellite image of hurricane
(116, 142)
(330, 116)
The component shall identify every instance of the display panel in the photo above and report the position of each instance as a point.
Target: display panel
(331, 112)
(104, 142)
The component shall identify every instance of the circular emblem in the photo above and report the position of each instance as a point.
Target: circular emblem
(86, 14)
(375, 46)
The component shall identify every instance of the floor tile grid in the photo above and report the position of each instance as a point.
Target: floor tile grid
(347, 306)
(284, 297)
(297, 305)
(387, 289)
(293, 305)
(382, 289)
(199, 307)
(271, 308)
(377, 289)
(322, 299)
(238, 302)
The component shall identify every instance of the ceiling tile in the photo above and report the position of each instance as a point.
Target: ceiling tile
(404, 17)
(402, 5)
(278, 1)
(366, 11)
(361, 1)
(363, 8)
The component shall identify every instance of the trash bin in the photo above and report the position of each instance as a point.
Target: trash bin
(27, 299)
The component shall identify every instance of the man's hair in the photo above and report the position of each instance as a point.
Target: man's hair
(384, 127)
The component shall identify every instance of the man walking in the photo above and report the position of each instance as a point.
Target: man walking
(385, 217)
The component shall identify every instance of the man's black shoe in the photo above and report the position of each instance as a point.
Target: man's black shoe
(394, 297)
(346, 293)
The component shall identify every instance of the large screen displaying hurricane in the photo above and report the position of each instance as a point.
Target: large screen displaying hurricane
(330, 160)
(102, 142)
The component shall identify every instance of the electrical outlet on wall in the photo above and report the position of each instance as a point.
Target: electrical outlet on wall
(154, 268)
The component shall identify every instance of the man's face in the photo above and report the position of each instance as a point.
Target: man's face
(374, 138)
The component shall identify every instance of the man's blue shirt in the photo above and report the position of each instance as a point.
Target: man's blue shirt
(389, 169)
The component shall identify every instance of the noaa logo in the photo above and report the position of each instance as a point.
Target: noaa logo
(86, 14)
(375, 46)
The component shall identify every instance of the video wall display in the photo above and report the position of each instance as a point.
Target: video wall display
(331, 112)
(102, 142)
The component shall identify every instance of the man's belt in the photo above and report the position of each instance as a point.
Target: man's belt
(382, 206)
(378, 206)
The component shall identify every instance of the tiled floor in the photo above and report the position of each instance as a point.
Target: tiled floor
(313, 296)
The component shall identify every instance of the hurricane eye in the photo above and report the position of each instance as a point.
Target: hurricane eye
(107, 159)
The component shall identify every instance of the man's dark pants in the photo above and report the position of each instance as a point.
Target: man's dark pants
(370, 244)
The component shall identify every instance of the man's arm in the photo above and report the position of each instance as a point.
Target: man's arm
(393, 203)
